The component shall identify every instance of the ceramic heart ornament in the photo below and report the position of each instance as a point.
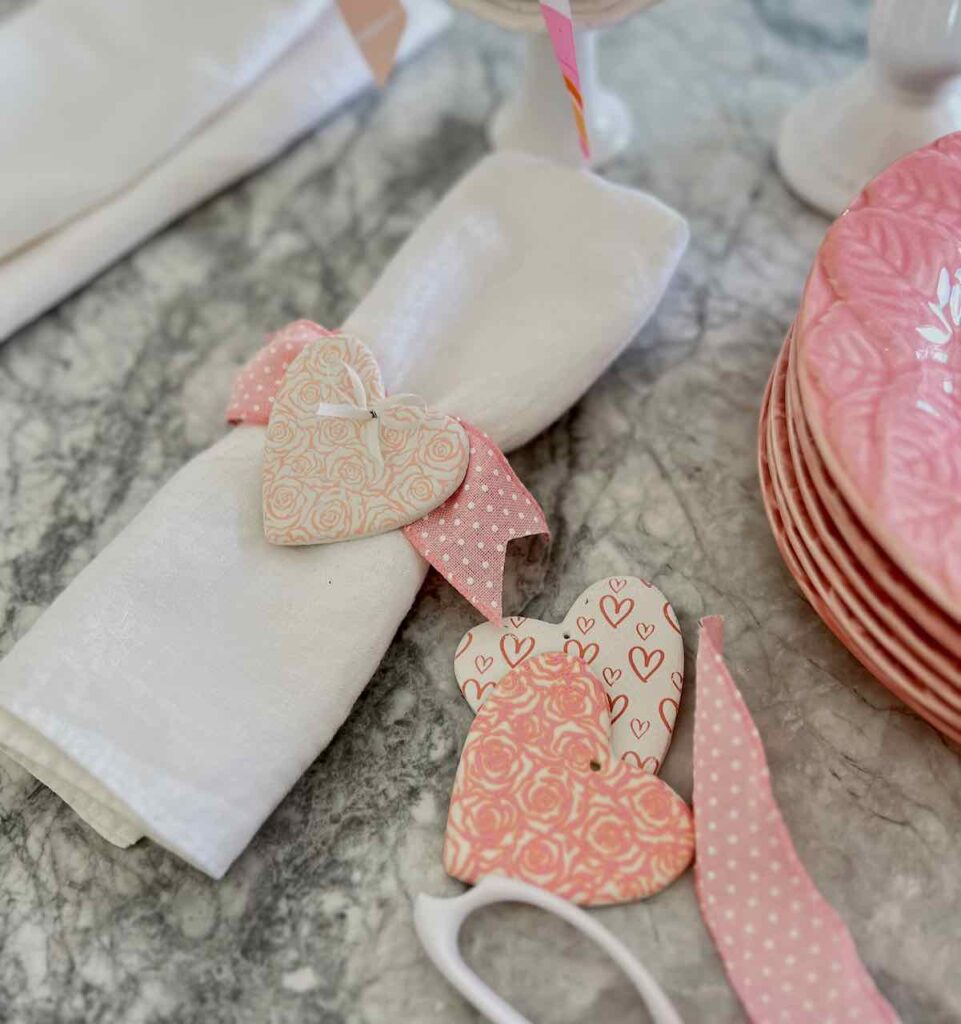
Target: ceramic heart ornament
(540, 795)
(625, 631)
(342, 460)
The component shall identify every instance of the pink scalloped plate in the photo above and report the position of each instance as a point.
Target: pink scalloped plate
(879, 365)
(931, 688)
(927, 689)
(829, 604)
(776, 523)
(888, 619)
(881, 571)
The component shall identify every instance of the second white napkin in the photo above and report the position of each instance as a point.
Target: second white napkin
(93, 206)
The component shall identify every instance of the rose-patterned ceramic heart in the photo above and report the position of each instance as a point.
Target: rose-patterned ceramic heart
(540, 796)
(322, 481)
(625, 631)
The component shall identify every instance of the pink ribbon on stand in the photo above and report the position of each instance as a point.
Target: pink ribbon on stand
(465, 537)
(559, 21)
(787, 953)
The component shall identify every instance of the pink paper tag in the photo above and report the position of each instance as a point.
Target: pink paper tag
(377, 27)
(787, 953)
(466, 538)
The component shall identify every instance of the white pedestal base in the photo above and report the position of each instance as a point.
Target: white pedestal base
(907, 95)
(839, 137)
(538, 119)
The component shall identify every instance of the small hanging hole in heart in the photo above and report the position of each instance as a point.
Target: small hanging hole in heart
(373, 414)
(567, 636)
(595, 766)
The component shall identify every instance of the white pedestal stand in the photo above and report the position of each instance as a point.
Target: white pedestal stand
(537, 118)
(908, 94)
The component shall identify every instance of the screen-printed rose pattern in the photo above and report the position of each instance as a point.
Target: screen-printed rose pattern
(322, 483)
(540, 796)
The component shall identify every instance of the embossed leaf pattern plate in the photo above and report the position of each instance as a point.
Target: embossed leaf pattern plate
(878, 366)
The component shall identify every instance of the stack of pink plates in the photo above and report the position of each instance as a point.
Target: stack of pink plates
(860, 434)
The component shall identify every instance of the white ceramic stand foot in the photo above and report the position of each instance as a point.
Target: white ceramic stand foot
(538, 118)
(908, 94)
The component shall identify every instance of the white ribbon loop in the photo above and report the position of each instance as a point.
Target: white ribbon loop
(372, 412)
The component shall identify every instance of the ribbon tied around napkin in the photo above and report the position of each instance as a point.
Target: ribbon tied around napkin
(343, 460)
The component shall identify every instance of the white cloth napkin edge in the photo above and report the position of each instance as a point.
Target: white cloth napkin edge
(266, 39)
(41, 274)
(95, 801)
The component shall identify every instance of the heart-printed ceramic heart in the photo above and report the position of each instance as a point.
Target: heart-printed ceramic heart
(322, 482)
(625, 630)
(540, 796)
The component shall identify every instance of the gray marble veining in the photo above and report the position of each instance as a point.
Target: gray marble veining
(653, 472)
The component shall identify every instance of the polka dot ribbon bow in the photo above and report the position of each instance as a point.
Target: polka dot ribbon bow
(788, 954)
(343, 460)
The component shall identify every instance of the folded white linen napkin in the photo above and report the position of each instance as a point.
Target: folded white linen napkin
(95, 92)
(70, 207)
(190, 674)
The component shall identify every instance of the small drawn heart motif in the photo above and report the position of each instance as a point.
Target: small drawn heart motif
(474, 690)
(483, 663)
(586, 652)
(616, 611)
(671, 618)
(645, 663)
(668, 712)
(593, 829)
(515, 649)
(464, 644)
(617, 706)
(585, 633)
(648, 764)
(517, 621)
(639, 728)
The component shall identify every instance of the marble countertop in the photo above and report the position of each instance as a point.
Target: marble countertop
(652, 473)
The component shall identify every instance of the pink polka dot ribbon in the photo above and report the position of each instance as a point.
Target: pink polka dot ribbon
(466, 537)
(787, 953)
(256, 384)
